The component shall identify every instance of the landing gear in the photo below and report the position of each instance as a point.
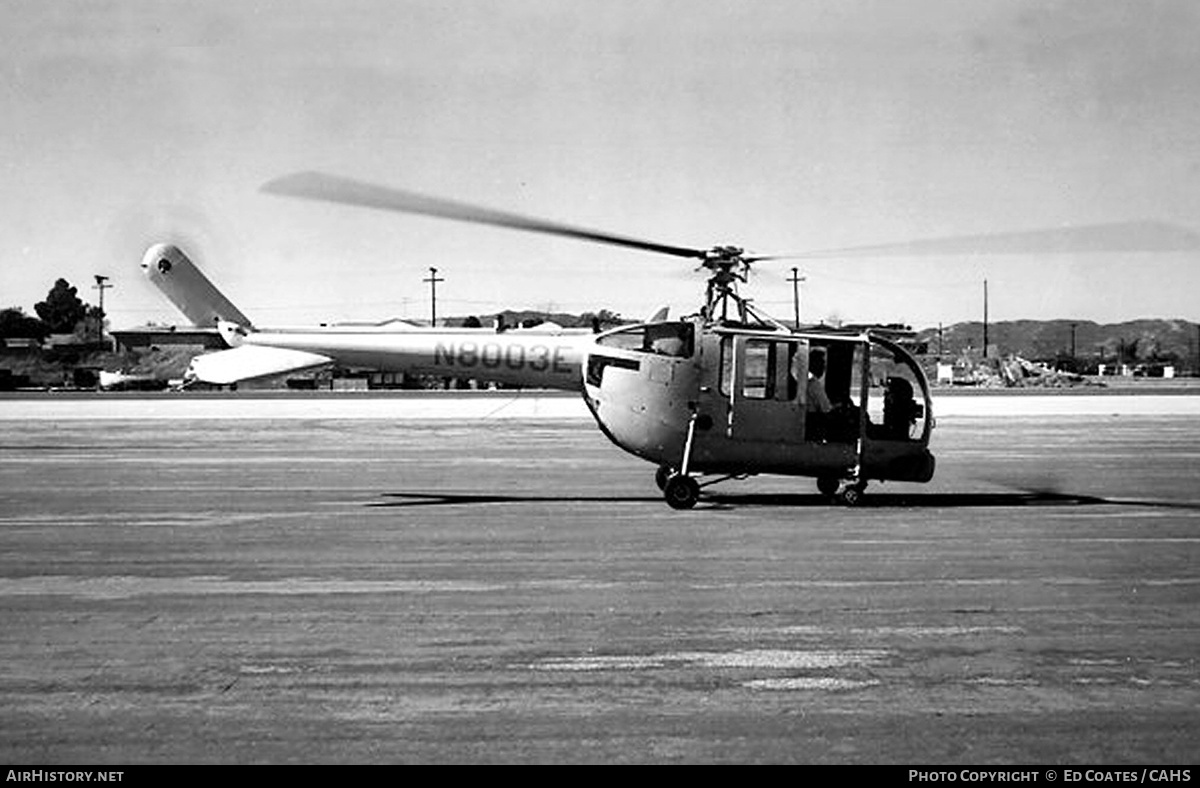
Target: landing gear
(851, 494)
(679, 488)
(847, 493)
(681, 492)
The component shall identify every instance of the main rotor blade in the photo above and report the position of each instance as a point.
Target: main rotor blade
(346, 191)
(1115, 237)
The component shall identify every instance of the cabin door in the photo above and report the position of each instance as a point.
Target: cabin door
(761, 378)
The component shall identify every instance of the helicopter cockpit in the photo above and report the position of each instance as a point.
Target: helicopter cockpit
(660, 344)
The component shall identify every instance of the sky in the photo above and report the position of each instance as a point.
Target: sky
(780, 126)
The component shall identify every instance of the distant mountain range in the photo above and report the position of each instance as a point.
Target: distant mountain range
(1135, 340)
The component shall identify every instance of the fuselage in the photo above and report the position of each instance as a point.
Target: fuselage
(729, 397)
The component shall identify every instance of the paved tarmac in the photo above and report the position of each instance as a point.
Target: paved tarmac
(327, 589)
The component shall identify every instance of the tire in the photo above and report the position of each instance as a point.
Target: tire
(852, 495)
(681, 492)
(828, 485)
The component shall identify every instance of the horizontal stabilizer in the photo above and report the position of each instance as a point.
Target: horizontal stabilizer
(251, 361)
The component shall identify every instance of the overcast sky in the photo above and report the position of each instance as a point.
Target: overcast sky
(778, 126)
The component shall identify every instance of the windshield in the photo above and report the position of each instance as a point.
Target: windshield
(661, 339)
(896, 405)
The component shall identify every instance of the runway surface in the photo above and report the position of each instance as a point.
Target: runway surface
(366, 589)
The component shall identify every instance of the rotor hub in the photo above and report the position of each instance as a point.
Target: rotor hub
(724, 255)
(727, 264)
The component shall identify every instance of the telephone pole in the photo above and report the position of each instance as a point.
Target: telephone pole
(796, 279)
(985, 320)
(101, 285)
(433, 279)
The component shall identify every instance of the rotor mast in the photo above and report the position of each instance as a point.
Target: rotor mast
(729, 266)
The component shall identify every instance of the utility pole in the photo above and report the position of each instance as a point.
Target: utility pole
(796, 279)
(985, 319)
(1073, 325)
(101, 285)
(433, 280)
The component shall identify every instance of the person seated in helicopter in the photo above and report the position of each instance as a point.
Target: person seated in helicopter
(817, 400)
(900, 409)
(817, 406)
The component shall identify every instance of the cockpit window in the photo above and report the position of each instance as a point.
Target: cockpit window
(895, 409)
(662, 339)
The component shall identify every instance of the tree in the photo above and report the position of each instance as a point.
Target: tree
(603, 319)
(91, 327)
(15, 323)
(62, 309)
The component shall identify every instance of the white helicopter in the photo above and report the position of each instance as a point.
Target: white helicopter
(725, 393)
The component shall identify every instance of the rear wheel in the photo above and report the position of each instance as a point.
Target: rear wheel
(681, 492)
(852, 494)
(828, 485)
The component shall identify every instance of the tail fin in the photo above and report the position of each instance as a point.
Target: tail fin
(188, 289)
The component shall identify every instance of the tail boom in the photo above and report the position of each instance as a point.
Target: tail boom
(533, 360)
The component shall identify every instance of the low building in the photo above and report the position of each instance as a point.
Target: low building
(158, 336)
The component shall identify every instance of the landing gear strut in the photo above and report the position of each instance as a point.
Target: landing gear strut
(661, 475)
(680, 489)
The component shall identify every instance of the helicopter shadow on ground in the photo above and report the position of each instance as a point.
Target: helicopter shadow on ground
(980, 500)
(1032, 498)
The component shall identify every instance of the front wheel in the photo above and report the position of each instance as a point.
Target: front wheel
(681, 492)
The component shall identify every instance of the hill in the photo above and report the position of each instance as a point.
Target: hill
(1134, 341)
(531, 317)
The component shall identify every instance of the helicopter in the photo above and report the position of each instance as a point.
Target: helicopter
(725, 393)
